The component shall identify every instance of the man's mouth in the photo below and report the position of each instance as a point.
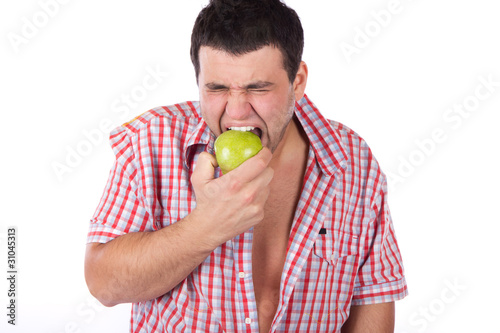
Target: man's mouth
(254, 130)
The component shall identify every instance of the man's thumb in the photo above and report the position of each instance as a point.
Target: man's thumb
(205, 168)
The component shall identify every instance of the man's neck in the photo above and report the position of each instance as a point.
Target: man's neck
(293, 143)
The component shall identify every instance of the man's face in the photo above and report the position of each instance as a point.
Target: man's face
(251, 90)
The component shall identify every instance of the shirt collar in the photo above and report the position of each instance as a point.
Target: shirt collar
(198, 134)
(324, 140)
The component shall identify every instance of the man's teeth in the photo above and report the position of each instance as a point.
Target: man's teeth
(244, 129)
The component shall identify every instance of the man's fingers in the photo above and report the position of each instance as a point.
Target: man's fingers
(267, 176)
(253, 166)
(204, 170)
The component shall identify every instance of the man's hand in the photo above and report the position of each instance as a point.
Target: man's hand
(233, 203)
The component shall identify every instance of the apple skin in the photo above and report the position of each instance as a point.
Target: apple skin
(233, 147)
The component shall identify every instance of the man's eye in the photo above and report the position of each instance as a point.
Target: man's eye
(217, 90)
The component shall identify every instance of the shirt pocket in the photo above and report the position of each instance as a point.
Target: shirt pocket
(335, 246)
(334, 268)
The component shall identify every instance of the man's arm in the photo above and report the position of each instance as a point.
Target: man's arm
(144, 265)
(372, 318)
(141, 266)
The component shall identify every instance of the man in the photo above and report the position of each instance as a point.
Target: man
(297, 239)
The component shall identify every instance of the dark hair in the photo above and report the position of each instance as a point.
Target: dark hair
(242, 26)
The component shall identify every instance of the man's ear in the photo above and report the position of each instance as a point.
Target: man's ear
(299, 84)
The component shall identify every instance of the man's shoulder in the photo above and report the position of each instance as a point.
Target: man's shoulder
(156, 125)
(342, 129)
(350, 138)
(362, 161)
(185, 111)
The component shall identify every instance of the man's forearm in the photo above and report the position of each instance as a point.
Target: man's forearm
(373, 318)
(144, 265)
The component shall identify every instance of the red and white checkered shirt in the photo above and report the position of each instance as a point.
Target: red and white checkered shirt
(342, 249)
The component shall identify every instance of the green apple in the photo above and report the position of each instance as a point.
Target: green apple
(235, 147)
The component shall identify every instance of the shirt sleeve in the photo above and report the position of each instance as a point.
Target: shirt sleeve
(380, 278)
(121, 209)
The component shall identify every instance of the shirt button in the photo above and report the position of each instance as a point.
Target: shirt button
(248, 321)
(241, 274)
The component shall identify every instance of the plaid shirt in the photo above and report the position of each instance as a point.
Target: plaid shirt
(342, 249)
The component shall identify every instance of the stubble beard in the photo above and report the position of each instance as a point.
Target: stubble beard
(288, 116)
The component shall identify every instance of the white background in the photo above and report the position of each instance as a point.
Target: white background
(65, 70)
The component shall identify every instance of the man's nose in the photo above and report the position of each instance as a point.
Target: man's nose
(238, 106)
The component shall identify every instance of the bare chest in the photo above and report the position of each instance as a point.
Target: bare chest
(270, 244)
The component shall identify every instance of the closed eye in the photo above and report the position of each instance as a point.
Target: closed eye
(215, 87)
(259, 86)
(256, 87)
